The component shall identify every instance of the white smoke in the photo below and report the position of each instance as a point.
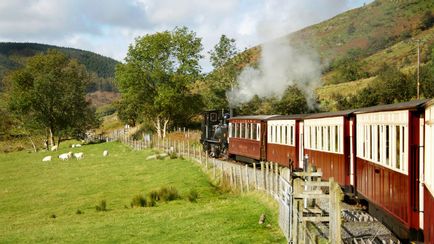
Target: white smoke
(281, 65)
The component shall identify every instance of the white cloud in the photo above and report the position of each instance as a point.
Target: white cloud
(109, 26)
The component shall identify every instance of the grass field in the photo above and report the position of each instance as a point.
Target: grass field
(32, 191)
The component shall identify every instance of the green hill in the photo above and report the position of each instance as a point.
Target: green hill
(384, 31)
(101, 88)
(14, 55)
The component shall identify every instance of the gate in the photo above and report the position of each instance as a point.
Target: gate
(285, 207)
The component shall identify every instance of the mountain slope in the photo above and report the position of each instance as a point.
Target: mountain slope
(14, 55)
(101, 89)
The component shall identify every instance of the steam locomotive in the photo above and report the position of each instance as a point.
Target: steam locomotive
(214, 138)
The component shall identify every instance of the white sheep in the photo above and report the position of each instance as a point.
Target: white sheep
(54, 148)
(105, 153)
(65, 156)
(75, 145)
(79, 155)
(46, 159)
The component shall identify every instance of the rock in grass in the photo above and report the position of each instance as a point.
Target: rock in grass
(262, 219)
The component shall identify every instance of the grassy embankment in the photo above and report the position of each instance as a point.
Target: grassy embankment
(31, 192)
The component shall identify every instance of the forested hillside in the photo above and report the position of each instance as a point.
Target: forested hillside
(15, 55)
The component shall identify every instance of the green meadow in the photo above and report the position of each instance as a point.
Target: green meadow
(40, 201)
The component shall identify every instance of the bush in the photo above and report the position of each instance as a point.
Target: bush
(138, 201)
(167, 194)
(154, 195)
(192, 195)
(173, 155)
(53, 216)
(102, 206)
(79, 212)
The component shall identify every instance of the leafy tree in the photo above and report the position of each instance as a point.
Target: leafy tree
(49, 93)
(427, 20)
(156, 78)
(293, 101)
(223, 52)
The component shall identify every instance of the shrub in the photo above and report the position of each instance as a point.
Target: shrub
(168, 194)
(53, 216)
(102, 206)
(173, 155)
(138, 201)
(79, 212)
(150, 202)
(193, 195)
(154, 195)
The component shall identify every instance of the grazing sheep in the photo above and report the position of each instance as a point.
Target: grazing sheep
(65, 156)
(75, 145)
(54, 148)
(46, 159)
(105, 153)
(79, 155)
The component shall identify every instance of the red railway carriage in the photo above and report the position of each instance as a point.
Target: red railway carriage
(283, 142)
(248, 138)
(428, 182)
(389, 138)
(329, 144)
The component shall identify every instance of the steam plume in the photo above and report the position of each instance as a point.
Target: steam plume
(281, 65)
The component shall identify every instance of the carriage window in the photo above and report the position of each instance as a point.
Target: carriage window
(316, 137)
(322, 137)
(310, 136)
(403, 147)
(336, 139)
(248, 131)
(258, 131)
(271, 134)
(275, 134)
(387, 144)
(370, 142)
(254, 130)
(242, 130)
(286, 135)
(291, 137)
(398, 143)
(328, 138)
(230, 130)
(378, 143)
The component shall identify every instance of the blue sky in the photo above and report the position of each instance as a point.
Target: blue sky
(108, 27)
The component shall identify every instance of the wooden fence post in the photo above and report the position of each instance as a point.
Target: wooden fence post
(241, 178)
(247, 178)
(255, 176)
(206, 160)
(232, 176)
(263, 175)
(335, 212)
(213, 168)
(222, 171)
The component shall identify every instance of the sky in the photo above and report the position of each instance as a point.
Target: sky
(108, 27)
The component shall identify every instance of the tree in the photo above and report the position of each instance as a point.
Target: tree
(293, 101)
(49, 94)
(427, 20)
(155, 80)
(224, 58)
(223, 52)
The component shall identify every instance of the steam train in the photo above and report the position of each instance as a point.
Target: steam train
(382, 154)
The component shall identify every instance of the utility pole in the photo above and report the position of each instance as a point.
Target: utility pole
(418, 68)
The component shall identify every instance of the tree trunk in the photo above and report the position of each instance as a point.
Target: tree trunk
(58, 141)
(51, 137)
(166, 121)
(157, 125)
(33, 143)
